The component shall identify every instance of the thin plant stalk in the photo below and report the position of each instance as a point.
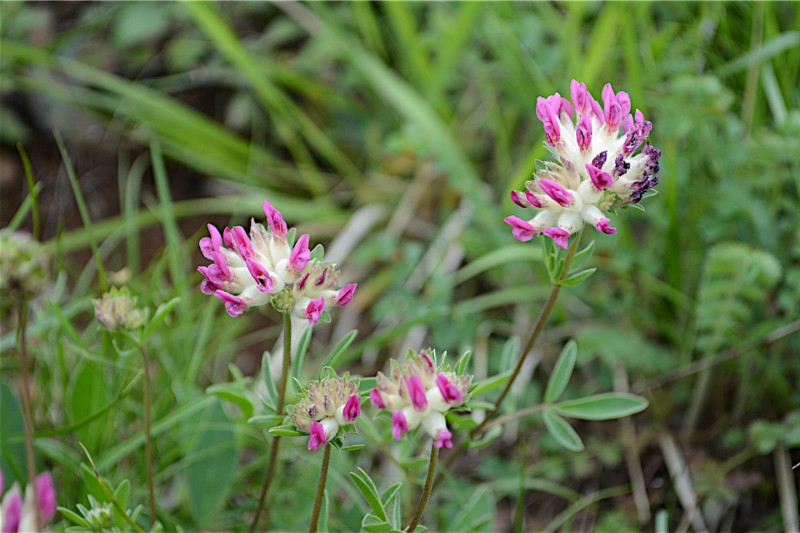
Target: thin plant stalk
(544, 314)
(148, 437)
(25, 395)
(426, 491)
(274, 449)
(323, 478)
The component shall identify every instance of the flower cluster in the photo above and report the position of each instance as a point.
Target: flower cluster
(117, 309)
(264, 267)
(418, 393)
(18, 514)
(24, 266)
(595, 167)
(328, 405)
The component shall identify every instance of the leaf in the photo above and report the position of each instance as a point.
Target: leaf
(88, 393)
(302, 350)
(234, 393)
(12, 446)
(269, 383)
(211, 457)
(607, 406)
(509, 354)
(370, 493)
(288, 430)
(562, 372)
(576, 278)
(560, 429)
(486, 439)
(490, 383)
(352, 447)
(340, 348)
(160, 315)
(463, 363)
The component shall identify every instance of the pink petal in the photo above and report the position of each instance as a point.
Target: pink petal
(560, 236)
(314, 310)
(275, 220)
(600, 179)
(522, 231)
(317, 436)
(417, 393)
(346, 294)
(352, 408)
(399, 425)
(376, 399)
(450, 392)
(300, 254)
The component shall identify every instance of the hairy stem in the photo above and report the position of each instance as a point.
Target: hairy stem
(426, 491)
(275, 447)
(544, 314)
(27, 402)
(323, 478)
(148, 438)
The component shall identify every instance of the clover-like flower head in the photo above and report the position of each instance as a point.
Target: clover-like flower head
(595, 168)
(117, 309)
(328, 405)
(418, 392)
(24, 268)
(265, 267)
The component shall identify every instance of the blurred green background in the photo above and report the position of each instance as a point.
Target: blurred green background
(392, 132)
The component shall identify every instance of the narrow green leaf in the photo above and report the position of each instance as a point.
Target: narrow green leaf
(487, 439)
(234, 393)
(269, 383)
(562, 431)
(509, 354)
(287, 430)
(576, 278)
(160, 315)
(370, 493)
(583, 255)
(12, 453)
(490, 383)
(463, 363)
(605, 406)
(562, 372)
(88, 393)
(299, 358)
(211, 457)
(73, 516)
(352, 447)
(339, 350)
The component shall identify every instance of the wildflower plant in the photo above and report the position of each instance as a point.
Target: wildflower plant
(328, 407)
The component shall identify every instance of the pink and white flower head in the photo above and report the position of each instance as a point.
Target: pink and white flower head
(19, 514)
(265, 266)
(419, 392)
(328, 406)
(595, 168)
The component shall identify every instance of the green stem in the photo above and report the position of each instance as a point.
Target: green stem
(25, 396)
(323, 478)
(148, 438)
(544, 314)
(275, 447)
(426, 491)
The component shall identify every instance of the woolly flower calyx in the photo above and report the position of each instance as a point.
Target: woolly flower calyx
(326, 407)
(117, 309)
(596, 166)
(266, 266)
(418, 392)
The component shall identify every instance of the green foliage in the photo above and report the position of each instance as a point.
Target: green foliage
(735, 278)
(391, 133)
